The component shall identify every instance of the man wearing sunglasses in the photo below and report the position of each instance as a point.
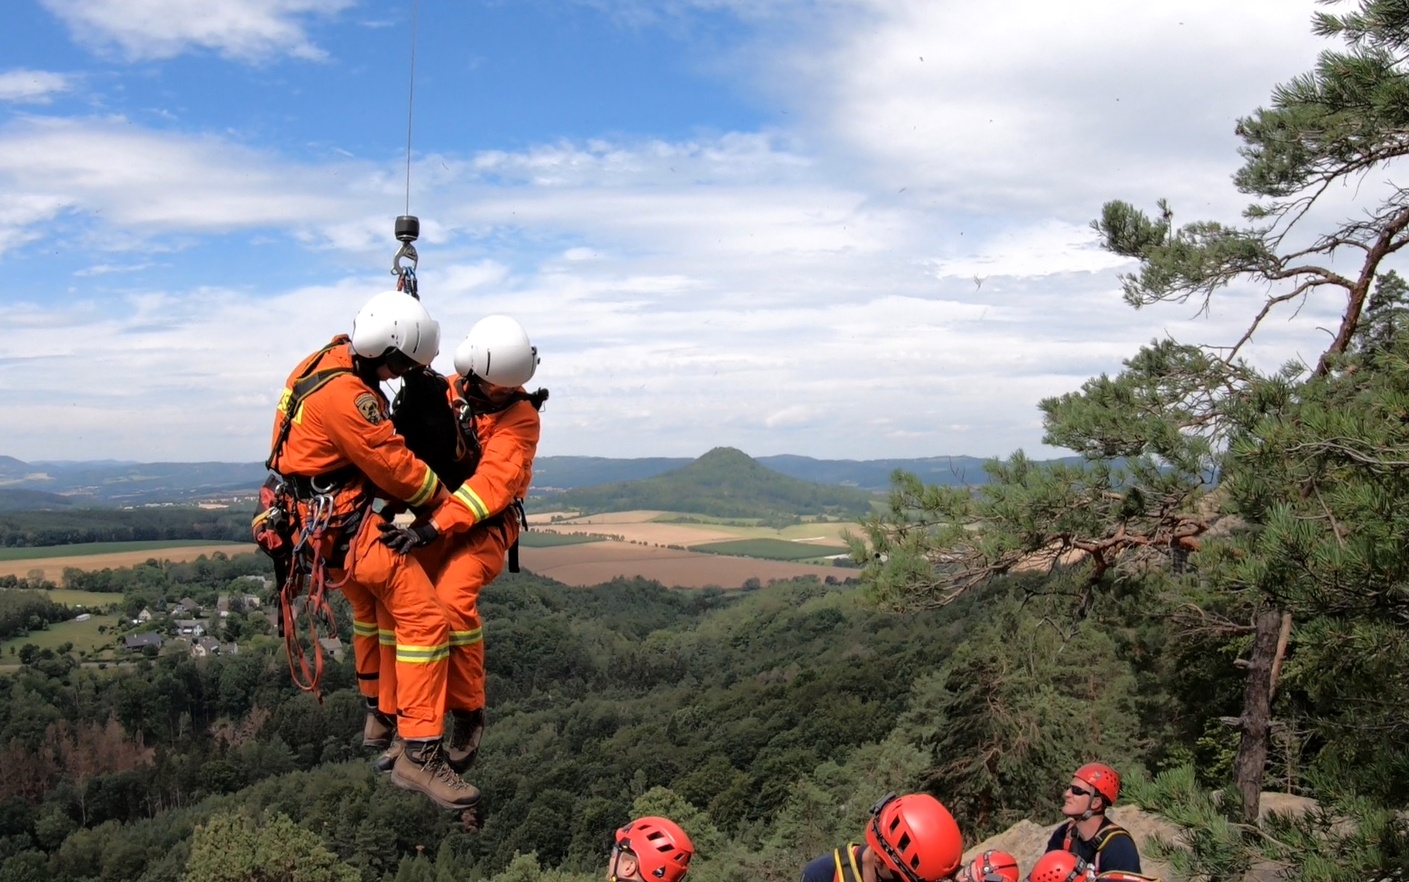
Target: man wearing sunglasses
(650, 849)
(909, 838)
(1088, 833)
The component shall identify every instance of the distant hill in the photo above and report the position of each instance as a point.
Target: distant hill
(557, 473)
(108, 482)
(31, 500)
(874, 474)
(724, 483)
(105, 483)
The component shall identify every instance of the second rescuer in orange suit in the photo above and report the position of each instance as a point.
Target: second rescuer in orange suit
(478, 525)
(338, 450)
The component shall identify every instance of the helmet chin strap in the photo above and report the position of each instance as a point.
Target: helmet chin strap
(1090, 812)
(366, 368)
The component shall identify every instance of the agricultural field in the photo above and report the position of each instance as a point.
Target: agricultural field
(768, 549)
(576, 551)
(592, 564)
(87, 548)
(545, 539)
(59, 557)
(672, 528)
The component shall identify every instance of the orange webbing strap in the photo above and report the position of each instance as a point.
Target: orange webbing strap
(306, 675)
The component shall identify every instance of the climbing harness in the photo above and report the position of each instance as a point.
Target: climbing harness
(297, 526)
(1103, 838)
(844, 859)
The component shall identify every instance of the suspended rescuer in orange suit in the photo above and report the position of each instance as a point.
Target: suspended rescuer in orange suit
(650, 849)
(337, 452)
(1088, 833)
(463, 546)
(910, 838)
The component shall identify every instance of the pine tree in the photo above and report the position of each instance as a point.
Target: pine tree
(1277, 502)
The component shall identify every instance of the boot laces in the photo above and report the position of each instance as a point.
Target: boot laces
(435, 763)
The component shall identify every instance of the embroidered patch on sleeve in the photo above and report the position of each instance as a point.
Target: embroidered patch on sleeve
(369, 407)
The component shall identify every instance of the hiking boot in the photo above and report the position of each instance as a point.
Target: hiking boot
(463, 746)
(422, 768)
(383, 761)
(378, 729)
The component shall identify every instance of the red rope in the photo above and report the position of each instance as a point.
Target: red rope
(307, 675)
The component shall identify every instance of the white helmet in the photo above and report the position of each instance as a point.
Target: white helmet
(497, 351)
(396, 320)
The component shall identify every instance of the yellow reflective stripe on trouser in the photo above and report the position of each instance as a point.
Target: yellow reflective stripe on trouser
(422, 655)
(428, 485)
(466, 638)
(364, 629)
(386, 638)
(470, 499)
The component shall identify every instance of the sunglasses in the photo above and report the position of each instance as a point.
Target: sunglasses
(1078, 791)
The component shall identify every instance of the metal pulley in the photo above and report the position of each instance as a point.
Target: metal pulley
(408, 228)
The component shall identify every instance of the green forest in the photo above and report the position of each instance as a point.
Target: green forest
(33, 529)
(766, 720)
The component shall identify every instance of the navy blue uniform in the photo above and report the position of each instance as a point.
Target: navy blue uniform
(824, 868)
(1119, 853)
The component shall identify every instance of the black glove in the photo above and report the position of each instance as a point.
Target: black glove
(403, 539)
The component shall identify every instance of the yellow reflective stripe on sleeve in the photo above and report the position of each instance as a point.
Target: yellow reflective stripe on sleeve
(422, 655)
(428, 487)
(470, 500)
(466, 638)
(386, 638)
(364, 629)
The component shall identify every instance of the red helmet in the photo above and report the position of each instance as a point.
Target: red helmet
(1058, 866)
(916, 837)
(662, 849)
(1102, 777)
(994, 866)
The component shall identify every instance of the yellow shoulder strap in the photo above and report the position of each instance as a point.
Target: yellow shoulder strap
(847, 868)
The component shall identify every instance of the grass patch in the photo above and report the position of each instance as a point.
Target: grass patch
(545, 539)
(83, 636)
(674, 517)
(89, 600)
(767, 549)
(86, 548)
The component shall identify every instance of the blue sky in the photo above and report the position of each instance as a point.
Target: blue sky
(836, 228)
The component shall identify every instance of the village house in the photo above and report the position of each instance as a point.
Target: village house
(139, 642)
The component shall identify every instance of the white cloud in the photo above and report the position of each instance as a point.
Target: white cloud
(246, 30)
(32, 86)
(152, 183)
(804, 290)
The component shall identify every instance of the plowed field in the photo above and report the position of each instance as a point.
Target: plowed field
(53, 567)
(598, 562)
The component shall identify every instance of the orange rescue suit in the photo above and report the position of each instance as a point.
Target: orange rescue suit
(340, 432)
(478, 526)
